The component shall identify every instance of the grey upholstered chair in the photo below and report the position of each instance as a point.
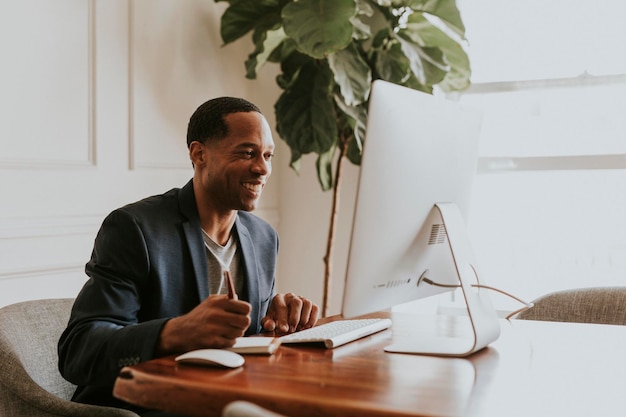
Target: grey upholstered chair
(603, 305)
(30, 383)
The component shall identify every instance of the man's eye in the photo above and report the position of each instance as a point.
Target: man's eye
(269, 156)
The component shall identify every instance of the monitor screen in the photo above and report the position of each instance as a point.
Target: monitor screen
(419, 150)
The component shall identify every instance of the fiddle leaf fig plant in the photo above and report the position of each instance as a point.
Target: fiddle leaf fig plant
(329, 51)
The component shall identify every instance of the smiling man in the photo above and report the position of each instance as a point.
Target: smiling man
(156, 272)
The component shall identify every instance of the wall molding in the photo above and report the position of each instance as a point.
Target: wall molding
(90, 157)
(48, 164)
(37, 227)
(91, 90)
(41, 270)
(551, 163)
(133, 164)
(131, 82)
(583, 80)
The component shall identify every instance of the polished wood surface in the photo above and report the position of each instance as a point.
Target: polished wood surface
(533, 369)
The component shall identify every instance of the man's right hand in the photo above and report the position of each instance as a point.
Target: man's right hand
(214, 323)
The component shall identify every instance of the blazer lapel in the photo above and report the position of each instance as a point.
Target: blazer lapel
(251, 274)
(193, 235)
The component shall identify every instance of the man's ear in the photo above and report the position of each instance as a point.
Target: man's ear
(197, 153)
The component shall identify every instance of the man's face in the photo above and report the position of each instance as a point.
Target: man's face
(236, 168)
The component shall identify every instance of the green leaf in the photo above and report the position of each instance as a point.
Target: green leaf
(423, 32)
(446, 10)
(413, 52)
(244, 15)
(458, 78)
(291, 64)
(435, 66)
(352, 74)
(381, 38)
(362, 30)
(355, 151)
(296, 160)
(305, 114)
(432, 53)
(266, 42)
(319, 27)
(357, 118)
(364, 8)
(414, 83)
(453, 60)
(392, 64)
(324, 165)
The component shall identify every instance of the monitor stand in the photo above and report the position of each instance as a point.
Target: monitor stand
(482, 316)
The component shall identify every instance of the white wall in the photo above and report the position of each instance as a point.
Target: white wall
(304, 223)
(95, 100)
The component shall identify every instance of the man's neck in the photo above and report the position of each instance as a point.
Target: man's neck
(215, 222)
(218, 227)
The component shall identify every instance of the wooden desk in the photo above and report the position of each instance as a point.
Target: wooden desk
(533, 369)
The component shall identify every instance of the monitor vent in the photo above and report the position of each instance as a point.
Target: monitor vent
(437, 234)
(397, 282)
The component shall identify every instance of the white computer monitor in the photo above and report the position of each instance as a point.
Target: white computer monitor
(419, 162)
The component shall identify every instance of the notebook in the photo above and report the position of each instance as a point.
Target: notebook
(255, 345)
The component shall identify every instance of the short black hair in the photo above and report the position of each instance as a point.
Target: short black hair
(207, 122)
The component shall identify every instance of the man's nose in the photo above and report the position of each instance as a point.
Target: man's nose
(262, 166)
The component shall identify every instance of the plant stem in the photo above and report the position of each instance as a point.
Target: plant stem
(328, 258)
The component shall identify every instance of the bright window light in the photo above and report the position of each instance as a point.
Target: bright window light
(548, 204)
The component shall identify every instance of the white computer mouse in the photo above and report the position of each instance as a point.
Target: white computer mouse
(212, 357)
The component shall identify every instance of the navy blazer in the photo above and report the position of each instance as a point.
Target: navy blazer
(148, 265)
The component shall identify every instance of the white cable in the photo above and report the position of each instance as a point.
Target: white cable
(527, 305)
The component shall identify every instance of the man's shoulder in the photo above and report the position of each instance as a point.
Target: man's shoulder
(158, 210)
(153, 203)
(254, 223)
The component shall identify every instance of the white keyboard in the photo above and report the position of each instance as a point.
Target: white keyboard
(337, 333)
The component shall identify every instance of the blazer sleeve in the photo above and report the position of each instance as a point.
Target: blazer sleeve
(104, 333)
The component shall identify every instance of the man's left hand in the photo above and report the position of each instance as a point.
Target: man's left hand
(289, 313)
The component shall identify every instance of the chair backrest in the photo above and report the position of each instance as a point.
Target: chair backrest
(29, 333)
(603, 305)
(30, 382)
